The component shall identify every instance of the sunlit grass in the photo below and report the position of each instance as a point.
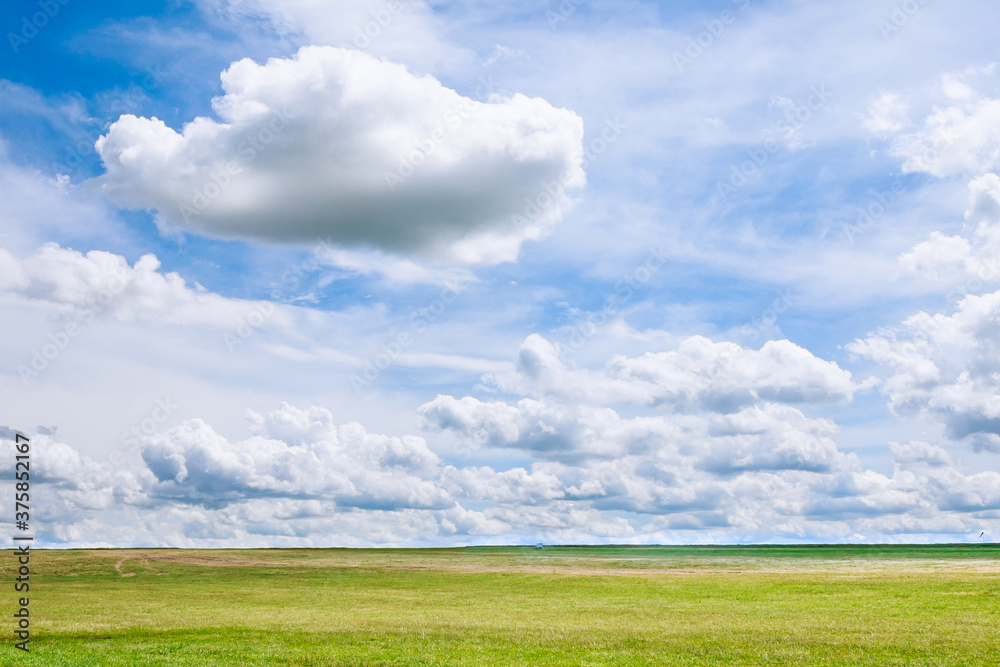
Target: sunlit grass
(515, 606)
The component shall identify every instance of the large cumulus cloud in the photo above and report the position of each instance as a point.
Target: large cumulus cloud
(336, 144)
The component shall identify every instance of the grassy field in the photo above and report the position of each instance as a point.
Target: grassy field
(829, 605)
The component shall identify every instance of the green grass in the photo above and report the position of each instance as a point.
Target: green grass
(797, 605)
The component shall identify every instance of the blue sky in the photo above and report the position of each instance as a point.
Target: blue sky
(411, 273)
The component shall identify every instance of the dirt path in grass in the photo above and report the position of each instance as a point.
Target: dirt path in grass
(118, 568)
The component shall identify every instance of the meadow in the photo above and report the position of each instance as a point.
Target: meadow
(737, 605)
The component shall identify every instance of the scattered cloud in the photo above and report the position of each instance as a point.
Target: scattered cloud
(294, 454)
(946, 367)
(887, 115)
(82, 287)
(958, 139)
(699, 374)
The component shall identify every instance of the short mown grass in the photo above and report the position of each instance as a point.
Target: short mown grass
(837, 605)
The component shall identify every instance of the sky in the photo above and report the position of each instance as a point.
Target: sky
(416, 272)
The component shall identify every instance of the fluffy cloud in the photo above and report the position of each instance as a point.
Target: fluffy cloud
(699, 375)
(335, 144)
(886, 116)
(720, 467)
(67, 486)
(37, 209)
(766, 437)
(684, 465)
(960, 138)
(939, 257)
(329, 484)
(315, 460)
(946, 367)
(967, 262)
(83, 287)
(729, 408)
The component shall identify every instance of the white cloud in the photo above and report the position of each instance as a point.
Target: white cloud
(920, 452)
(699, 374)
(83, 287)
(960, 138)
(765, 437)
(394, 269)
(984, 204)
(968, 263)
(37, 208)
(295, 454)
(946, 367)
(729, 408)
(938, 257)
(336, 144)
(984, 212)
(300, 479)
(887, 115)
(401, 30)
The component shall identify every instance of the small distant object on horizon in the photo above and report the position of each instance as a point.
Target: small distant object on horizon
(539, 546)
